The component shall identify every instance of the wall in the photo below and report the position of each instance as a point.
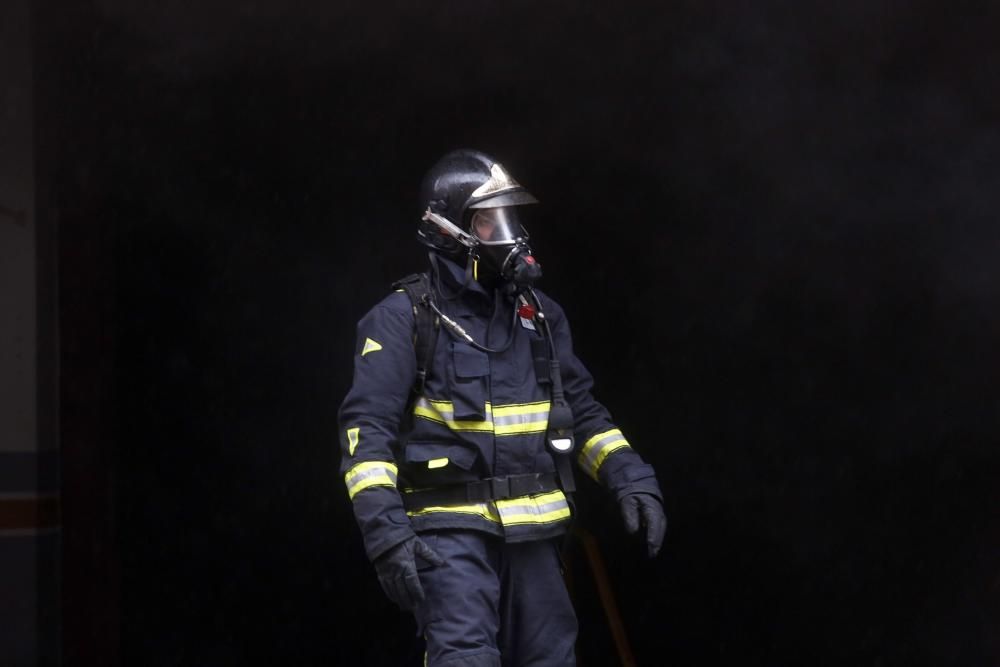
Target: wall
(29, 534)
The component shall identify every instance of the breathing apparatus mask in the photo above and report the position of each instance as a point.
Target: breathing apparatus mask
(497, 244)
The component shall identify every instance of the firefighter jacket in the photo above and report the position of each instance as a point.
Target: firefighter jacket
(479, 416)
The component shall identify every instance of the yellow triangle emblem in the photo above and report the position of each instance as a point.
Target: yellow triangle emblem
(370, 346)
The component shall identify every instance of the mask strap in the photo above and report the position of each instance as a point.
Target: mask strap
(471, 266)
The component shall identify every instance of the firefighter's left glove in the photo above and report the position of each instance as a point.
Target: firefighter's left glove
(397, 571)
(644, 510)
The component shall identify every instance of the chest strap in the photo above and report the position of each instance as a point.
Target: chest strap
(493, 488)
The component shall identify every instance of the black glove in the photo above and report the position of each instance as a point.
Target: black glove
(646, 509)
(397, 571)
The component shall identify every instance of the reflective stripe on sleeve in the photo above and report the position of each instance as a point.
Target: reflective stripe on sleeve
(516, 419)
(597, 448)
(369, 473)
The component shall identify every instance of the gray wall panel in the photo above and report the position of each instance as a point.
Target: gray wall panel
(19, 638)
(24, 472)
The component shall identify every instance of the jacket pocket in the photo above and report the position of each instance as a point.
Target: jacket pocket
(436, 455)
(468, 382)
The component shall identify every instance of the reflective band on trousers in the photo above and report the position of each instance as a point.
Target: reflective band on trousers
(516, 419)
(540, 508)
(597, 448)
(369, 473)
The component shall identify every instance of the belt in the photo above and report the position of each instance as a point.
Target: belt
(492, 488)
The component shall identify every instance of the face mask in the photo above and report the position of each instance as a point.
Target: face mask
(500, 245)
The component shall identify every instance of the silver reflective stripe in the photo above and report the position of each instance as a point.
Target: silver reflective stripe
(362, 475)
(596, 448)
(510, 420)
(502, 420)
(436, 409)
(532, 508)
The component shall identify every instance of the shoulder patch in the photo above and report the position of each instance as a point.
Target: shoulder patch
(370, 346)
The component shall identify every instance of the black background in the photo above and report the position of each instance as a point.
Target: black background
(772, 225)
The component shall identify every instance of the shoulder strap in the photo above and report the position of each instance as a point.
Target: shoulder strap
(426, 324)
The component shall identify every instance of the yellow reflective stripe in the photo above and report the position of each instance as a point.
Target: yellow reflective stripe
(434, 415)
(519, 429)
(598, 447)
(369, 473)
(514, 419)
(520, 408)
(445, 407)
(484, 510)
(353, 437)
(440, 406)
(535, 509)
(437, 463)
(592, 441)
(443, 412)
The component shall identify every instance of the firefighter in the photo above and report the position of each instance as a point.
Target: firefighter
(466, 417)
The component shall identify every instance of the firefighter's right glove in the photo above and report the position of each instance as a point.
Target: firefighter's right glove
(645, 510)
(397, 571)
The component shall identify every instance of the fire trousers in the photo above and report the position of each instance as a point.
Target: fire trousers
(494, 604)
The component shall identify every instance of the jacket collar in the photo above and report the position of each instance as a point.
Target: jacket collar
(453, 275)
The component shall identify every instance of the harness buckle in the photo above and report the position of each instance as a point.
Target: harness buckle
(500, 487)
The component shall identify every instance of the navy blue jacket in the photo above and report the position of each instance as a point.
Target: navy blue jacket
(480, 415)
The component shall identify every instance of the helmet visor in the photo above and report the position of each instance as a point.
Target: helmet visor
(497, 226)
